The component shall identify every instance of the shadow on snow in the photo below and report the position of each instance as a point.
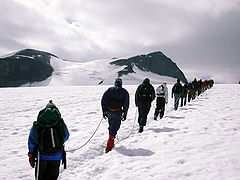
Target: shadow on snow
(134, 152)
(159, 130)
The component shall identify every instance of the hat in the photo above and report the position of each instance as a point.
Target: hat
(146, 80)
(50, 104)
(118, 82)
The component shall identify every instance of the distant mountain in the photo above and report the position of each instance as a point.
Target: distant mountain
(155, 62)
(30, 67)
(25, 66)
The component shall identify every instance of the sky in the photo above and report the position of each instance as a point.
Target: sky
(200, 36)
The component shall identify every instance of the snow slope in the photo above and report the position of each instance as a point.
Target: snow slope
(197, 142)
(67, 73)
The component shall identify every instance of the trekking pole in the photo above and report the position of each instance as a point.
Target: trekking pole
(38, 163)
(72, 150)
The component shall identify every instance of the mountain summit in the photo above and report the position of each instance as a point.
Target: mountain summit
(155, 62)
(31, 67)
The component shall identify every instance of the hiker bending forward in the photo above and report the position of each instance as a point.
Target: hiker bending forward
(45, 143)
(144, 96)
(162, 99)
(115, 104)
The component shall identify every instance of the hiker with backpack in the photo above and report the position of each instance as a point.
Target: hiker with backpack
(195, 88)
(190, 91)
(46, 143)
(115, 104)
(184, 94)
(176, 91)
(144, 96)
(162, 99)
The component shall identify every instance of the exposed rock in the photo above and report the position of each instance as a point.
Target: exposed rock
(25, 66)
(155, 62)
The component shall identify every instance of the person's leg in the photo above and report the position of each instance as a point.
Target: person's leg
(157, 109)
(162, 107)
(53, 169)
(140, 115)
(185, 100)
(114, 120)
(145, 111)
(176, 97)
(182, 99)
(41, 171)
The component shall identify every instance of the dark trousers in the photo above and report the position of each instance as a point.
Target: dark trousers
(48, 169)
(176, 100)
(143, 111)
(190, 94)
(160, 107)
(114, 121)
(183, 100)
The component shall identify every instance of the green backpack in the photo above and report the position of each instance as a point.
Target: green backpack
(49, 130)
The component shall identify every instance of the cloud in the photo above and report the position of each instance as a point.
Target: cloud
(200, 33)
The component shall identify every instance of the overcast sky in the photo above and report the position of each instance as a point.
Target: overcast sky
(201, 36)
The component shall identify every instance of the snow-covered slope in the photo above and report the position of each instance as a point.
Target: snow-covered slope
(92, 73)
(197, 142)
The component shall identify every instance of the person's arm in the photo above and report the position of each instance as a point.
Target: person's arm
(153, 93)
(31, 141)
(173, 89)
(104, 103)
(125, 105)
(67, 133)
(136, 96)
(32, 154)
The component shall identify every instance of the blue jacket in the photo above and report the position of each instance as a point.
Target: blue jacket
(45, 156)
(115, 99)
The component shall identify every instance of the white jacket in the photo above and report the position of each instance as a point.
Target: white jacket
(165, 89)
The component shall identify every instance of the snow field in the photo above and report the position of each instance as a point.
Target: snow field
(198, 141)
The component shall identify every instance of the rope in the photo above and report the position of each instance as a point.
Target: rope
(131, 129)
(72, 150)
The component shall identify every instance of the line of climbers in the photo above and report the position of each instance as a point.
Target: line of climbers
(189, 91)
(49, 133)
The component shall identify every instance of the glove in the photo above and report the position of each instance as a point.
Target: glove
(31, 160)
(104, 114)
(124, 115)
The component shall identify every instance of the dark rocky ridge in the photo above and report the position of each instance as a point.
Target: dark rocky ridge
(155, 62)
(25, 66)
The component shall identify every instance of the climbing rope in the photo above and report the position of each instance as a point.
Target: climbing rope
(72, 150)
(131, 129)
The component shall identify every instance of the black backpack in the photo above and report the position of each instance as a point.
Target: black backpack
(49, 130)
(144, 93)
(177, 88)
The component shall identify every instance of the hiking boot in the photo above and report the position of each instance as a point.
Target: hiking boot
(110, 143)
(140, 129)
